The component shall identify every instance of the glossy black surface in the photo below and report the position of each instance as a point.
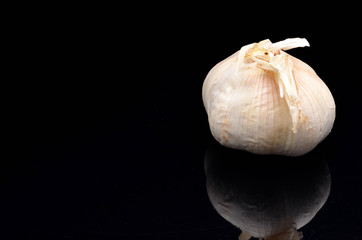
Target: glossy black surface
(108, 133)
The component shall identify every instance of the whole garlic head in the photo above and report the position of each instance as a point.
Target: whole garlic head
(265, 101)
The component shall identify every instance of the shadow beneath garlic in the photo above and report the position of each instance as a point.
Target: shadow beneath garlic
(267, 197)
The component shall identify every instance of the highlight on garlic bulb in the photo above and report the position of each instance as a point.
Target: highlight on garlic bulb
(269, 200)
(265, 101)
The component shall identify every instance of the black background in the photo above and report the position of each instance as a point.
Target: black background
(107, 129)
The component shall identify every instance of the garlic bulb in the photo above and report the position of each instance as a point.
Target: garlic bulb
(265, 101)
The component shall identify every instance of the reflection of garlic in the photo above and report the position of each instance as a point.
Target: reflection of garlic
(265, 101)
(269, 198)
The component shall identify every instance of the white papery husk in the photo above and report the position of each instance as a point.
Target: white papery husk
(265, 101)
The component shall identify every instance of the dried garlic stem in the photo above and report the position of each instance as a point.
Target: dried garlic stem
(289, 43)
(269, 57)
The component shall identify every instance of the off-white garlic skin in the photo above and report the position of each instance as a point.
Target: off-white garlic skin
(265, 101)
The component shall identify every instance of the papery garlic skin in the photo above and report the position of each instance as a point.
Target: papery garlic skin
(249, 108)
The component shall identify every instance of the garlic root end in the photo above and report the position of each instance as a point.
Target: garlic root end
(244, 236)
